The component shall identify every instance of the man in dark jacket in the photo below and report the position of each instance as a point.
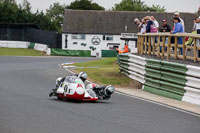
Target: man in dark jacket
(165, 27)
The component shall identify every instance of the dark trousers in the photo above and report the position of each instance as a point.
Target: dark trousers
(198, 32)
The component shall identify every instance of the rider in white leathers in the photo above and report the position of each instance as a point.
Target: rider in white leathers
(103, 92)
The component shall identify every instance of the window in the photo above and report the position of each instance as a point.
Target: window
(78, 36)
(108, 37)
(66, 41)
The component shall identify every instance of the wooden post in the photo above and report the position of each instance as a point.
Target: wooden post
(142, 45)
(175, 47)
(138, 44)
(163, 47)
(195, 49)
(149, 46)
(145, 49)
(184, 49)
(158, 46)
(168, 47)
(154, 45)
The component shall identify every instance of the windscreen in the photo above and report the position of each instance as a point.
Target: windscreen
(73, 79)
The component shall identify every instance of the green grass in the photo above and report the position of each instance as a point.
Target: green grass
(106, 71)
(19, 52)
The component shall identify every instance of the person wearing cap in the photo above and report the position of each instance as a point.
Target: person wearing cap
(165, 27)
(178, 28)
(177, 14)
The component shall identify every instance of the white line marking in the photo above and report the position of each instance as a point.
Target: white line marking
(164, 105)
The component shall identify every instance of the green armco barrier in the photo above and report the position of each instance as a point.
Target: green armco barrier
(169, 79)
(174, 78)
(166, 76)
(165, 86)
(155, 64)
(124, 62)
(125, 66)
(153, 73)
(31, 46)
(163, 93)
(173, 67)
(60, 52)
(123, 58)
(109, 53)
(124, 71)
(167, 66)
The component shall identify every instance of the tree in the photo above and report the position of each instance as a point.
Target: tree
(8, 9)
(56, 14)
(156, 8)
(84, 5)
(10, 12)
(137, 5)
(26, 5)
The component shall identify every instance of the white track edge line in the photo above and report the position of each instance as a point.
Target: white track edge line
(158, 103)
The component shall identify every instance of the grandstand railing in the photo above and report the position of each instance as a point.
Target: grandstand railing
(161, 45)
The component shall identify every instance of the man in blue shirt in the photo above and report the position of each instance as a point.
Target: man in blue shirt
(178, 28)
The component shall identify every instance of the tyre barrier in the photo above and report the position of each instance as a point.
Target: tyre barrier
(26, 45)
(173, 80)
(14, 44)
(40, 47)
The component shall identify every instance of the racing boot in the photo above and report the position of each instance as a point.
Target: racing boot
(53, 92)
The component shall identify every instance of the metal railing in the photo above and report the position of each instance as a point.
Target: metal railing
(161, 45)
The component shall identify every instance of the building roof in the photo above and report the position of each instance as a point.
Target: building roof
(114, 22)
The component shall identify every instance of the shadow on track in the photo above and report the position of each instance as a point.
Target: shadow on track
(80, 102)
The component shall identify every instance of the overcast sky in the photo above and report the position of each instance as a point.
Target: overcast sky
(170, 5)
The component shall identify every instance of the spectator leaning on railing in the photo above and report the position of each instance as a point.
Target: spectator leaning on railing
(155, 24)
(165, 27)
(141, 25)
(178, 28)
(177, 14)
(149, 23)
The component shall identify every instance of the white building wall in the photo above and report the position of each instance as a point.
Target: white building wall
(77, 44)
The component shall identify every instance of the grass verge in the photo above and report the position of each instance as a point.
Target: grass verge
(19, 52)
(106, 71)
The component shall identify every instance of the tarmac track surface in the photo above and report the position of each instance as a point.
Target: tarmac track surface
(26, 108)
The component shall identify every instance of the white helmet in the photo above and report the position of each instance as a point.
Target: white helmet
(58, 80)
(83, 76)
(109, 90)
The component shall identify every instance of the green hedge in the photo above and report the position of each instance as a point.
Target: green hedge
(60, 52)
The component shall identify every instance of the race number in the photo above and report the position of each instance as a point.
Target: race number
(66, 88)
